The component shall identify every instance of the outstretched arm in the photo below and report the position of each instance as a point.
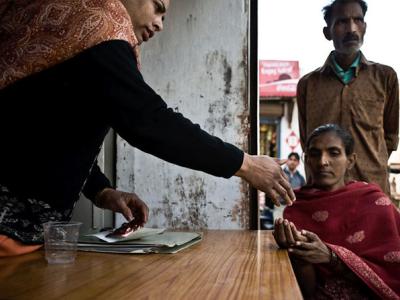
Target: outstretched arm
(143, 119)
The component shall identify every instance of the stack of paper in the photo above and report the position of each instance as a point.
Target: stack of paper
(144, 240)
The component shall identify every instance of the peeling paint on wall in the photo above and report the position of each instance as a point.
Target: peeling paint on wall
(184, 206)
(219, 118)
(227, 76)
(239, 212)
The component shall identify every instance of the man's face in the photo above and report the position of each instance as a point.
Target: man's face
(147, 17)
(347, 28)
(292, 163)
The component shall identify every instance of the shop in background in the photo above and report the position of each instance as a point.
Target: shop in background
(278, 128)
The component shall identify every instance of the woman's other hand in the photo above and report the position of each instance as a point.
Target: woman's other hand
(313, 250)
(128, 204)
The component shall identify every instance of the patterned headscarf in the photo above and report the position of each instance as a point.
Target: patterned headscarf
(36, 35)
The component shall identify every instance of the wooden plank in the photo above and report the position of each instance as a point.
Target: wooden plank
(225, 265)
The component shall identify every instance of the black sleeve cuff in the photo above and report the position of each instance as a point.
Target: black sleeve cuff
(95, 183)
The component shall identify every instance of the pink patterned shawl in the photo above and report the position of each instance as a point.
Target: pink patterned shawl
(361, 225)
(35, 35)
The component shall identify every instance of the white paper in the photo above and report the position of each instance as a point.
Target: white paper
(138, 234)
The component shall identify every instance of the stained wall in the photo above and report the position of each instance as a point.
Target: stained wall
(198, 65)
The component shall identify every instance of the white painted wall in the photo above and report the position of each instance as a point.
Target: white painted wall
(199, 67)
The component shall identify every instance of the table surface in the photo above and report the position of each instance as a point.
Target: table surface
(226, 264)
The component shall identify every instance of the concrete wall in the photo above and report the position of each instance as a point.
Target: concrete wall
(198, 64)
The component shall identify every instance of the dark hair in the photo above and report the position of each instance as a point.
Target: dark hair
(327, 10)
(346, 138)
(295, 154)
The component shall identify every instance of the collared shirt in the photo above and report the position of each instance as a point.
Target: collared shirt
(348, 75)
(368, 107)
(295, 179)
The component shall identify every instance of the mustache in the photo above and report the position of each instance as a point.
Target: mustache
(351, 37)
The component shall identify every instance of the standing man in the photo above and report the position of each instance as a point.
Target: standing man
(295, 178)
(360, 95)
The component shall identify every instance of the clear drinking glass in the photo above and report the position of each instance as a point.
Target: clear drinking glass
(60, 241)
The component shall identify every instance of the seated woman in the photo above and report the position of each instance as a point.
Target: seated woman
(343, 237)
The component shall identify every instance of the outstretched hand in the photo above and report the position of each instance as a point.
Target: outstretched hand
(286, 234)
(313, 250)
(128, 204)
(265, 174)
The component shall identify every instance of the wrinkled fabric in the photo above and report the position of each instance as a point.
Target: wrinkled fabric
(361, 225)
(36, 35)
(21, 218)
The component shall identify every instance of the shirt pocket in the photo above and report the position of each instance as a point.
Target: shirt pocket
(368, 112)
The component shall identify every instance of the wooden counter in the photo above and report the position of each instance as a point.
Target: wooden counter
(225, 265)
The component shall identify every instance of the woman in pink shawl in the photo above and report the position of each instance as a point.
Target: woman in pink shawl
(343, 237)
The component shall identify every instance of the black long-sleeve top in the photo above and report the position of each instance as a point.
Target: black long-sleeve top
(54, 122)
